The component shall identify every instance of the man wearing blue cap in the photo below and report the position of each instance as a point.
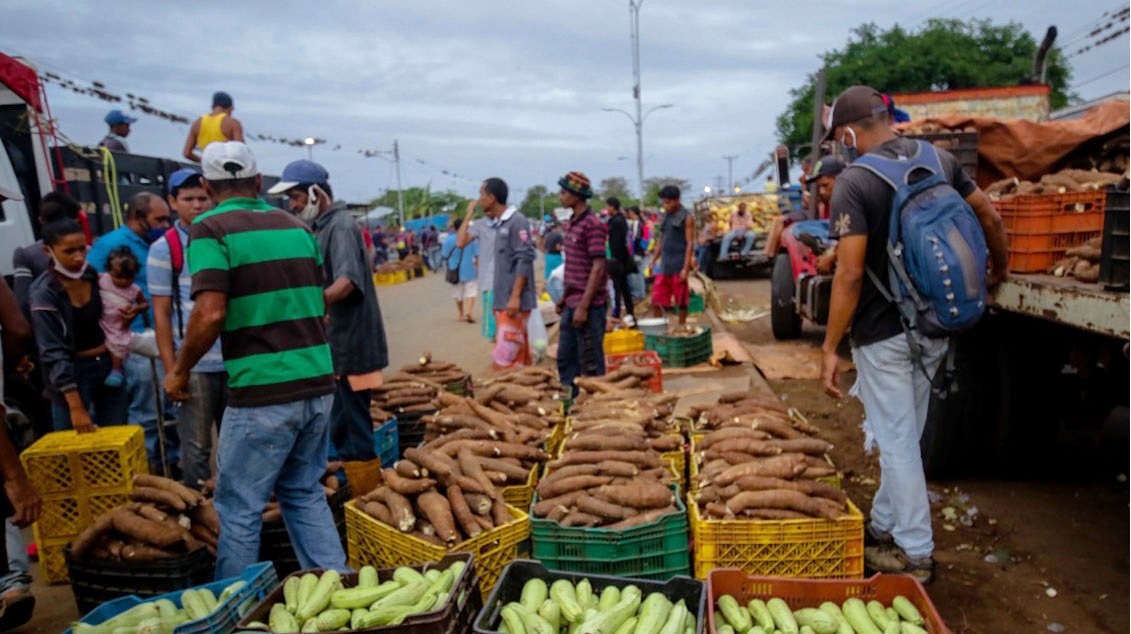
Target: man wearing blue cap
(170, 285)
(119, 123)
(356, 331)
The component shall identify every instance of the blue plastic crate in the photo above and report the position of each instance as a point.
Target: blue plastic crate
(261, 579)
(386, 442)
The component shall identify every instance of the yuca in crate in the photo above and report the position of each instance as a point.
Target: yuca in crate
(531, 390)
(441, 372)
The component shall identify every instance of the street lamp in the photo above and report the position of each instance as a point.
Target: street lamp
(309, 142)
(638, 124)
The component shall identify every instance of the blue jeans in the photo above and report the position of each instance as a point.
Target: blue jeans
(17, 575)
(208, 392)
(747, 245)
(702, 253)
(351, 427)
(106, 405)
(280, 449)
(143, 407)
(581, 352)
(896, 396)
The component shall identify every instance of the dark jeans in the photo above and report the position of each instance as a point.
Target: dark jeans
(581, 352)
(106, 405)
(618, 273)
(702, 255)
(351, 427)
(208, 395)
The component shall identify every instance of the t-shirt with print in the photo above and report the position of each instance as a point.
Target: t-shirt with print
(269, 265)
(585, 238)
(861, 205)
(160, 268)
(514, 258)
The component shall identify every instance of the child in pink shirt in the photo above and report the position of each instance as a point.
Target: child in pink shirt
(122, 300)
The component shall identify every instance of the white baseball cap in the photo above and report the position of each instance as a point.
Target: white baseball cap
(10, 194)
(227, 160)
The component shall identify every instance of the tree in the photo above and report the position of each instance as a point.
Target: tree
(615, 186)
(945, 54)
(652, 187)
(538, 200)
(420, 202)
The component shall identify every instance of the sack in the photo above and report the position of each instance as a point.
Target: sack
(936, 247)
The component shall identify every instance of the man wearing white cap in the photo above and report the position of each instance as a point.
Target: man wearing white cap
(257, 284)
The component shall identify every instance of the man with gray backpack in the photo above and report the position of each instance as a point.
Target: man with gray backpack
(914, 232)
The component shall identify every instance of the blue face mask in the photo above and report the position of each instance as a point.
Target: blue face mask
(153, 234)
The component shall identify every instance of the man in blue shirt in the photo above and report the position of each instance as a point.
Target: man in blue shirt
(465, 290)
(147, 220)
(170, 283)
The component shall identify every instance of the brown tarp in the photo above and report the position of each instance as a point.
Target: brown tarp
(1030, 149)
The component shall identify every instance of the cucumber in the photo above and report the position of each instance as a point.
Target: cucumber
(550, 611)
(833, 610)
(905, 627)
(319, 598)
(856, 614)
(653, 614)
(783, 616)
(761, 614)
(209, 600)
(585, 595)
(534, 592)
(816, 620)
(563, 593)
(512, 620)
(406, 576)
(610, 596)
(628, 627)
(907, 610)
(724, 629)
(354, 598)
(281, 621)
(432, 575)
(232, 589)
(735, 615)
(533, 623)
(306, 586)
(674, 624)
(878, 614)
(367, 577)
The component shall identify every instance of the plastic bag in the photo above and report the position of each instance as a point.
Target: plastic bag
(512, 349)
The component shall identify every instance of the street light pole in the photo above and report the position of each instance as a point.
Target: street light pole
(400, 190)
(730, 171)
(309, 143)
(634, 26)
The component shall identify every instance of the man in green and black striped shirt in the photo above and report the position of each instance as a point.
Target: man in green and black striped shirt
(257, 284)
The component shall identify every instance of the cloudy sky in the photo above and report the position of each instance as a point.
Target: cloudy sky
(477, 88)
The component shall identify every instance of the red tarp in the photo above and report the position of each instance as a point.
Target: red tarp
(1029, 149)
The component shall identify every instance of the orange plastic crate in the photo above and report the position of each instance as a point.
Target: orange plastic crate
(810, 593)
(648, 359)
(1041, 228)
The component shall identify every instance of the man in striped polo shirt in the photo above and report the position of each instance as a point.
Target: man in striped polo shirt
(257, 284)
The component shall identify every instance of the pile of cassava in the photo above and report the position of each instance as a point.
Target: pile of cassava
(415, 389)
(532, 390)
(757, 461)
(1082, 262)
(448, 489)
(164, 519)
(1062, 182)
(611, 472)
(626, 377)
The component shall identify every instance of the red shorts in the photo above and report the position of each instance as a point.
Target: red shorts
(670, 291)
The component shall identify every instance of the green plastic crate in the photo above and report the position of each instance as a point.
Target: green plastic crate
(681, 352)
(695, 304)
(657, 551)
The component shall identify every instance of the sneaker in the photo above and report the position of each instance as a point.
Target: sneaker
(16, 606)
(892, 559)
(114, 379)
(628, 321)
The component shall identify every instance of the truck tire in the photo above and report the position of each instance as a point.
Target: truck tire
(784, 320)
(965, 429)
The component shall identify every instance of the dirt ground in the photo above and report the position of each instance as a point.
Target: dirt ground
(1038, 555)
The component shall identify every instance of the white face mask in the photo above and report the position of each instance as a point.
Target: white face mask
(67, 273)
(310, 211)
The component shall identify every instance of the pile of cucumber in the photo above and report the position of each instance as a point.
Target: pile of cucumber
(321, 604)
(854, 616)
(568, 608)
(162, 615)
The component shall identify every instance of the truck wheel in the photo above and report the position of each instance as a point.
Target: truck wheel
(966, 429)
(784, 320)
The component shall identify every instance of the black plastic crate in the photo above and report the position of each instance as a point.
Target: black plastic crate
(455, 617)
(410, 430)
(518, 572)
(1115, 273)
(96, 581)
(963, 145)
(275, 542)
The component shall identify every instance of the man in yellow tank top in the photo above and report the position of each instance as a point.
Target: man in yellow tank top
(218, 125)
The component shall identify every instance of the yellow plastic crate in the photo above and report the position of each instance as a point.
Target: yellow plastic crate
(624, 341)
(52, 563)
(104, 460)
(377, 544)
(836, 480)
(801, 548)
(403, 275)
(68, 515)
(557, 437)
(520, 495)
(677, 460)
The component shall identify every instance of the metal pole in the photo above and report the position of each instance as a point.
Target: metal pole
(818, 131)
(400, 190)
(730, 172)
(310, 152)
(634, 16)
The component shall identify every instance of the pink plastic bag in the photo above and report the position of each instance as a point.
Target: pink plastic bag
(512, 348)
